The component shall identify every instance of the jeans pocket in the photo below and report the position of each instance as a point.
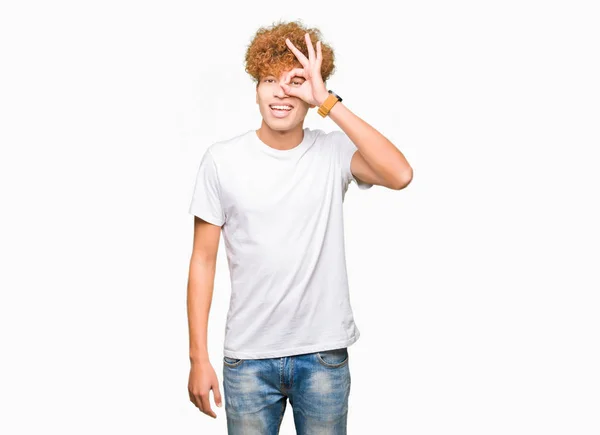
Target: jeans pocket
(333, 357)
(232, 362)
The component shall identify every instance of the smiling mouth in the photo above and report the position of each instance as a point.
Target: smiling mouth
(281, 109)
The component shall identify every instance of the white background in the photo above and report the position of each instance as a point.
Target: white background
(475, 288)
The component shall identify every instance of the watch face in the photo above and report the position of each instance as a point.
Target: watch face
(336, 95)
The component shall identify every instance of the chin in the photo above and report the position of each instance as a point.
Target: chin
(280, 124)
(281, 127)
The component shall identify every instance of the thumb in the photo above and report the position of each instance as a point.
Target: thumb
(217, 396)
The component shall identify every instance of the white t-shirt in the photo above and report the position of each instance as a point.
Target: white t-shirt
(282, 224)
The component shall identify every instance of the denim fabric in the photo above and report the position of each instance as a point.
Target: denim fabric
(316, 384)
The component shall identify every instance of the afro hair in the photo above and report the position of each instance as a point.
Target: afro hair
(268, 54)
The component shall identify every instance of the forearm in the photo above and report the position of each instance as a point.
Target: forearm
(199, 299)
(380, 154)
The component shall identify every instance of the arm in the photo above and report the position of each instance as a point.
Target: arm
(200, 286)
(377, 160)
(199, 298)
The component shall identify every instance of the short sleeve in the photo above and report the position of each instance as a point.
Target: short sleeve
(345, 149)
(206, 199)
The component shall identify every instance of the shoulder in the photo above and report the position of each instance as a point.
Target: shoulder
(325, 139)
(338, 140)
(331, 137)
(340, 144)
(225, 149)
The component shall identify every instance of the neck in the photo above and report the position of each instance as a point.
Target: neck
(281, 139)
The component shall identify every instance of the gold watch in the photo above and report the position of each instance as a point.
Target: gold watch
(329, 103)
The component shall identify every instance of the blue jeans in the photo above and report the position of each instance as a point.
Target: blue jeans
(317, 385)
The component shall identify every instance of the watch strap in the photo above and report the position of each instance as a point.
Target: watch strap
(329, 102)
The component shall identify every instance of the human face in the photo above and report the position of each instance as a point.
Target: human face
(269, 92)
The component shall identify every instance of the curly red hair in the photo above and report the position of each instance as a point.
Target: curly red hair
(268, 54)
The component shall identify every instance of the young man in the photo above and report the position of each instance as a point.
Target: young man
(276, 193)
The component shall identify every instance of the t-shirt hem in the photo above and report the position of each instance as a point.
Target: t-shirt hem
(362, 185)
(298, 350)
(204, 215)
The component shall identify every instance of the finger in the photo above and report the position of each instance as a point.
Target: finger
(319, 53)
(309, 46)
(217, 395)
(303, 60)
(296, 72)
(205, 405)
(192, 398)
(289, 90)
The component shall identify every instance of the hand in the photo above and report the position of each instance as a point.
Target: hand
(203, 379)
(312, 90)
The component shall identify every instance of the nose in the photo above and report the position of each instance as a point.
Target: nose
(279, 92)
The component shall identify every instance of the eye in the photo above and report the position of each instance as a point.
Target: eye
(299, 82)
(266, 80)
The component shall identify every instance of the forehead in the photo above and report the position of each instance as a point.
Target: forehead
(281, 74)
(279, 70)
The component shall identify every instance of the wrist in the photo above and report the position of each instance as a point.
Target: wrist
(199, 358)
(321, 98)
(329, 103)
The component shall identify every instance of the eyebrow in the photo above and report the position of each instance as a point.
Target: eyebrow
(271, 76)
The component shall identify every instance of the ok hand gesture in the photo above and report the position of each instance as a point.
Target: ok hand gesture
(312, 90)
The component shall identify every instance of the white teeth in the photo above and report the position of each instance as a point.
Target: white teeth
(281, 107)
